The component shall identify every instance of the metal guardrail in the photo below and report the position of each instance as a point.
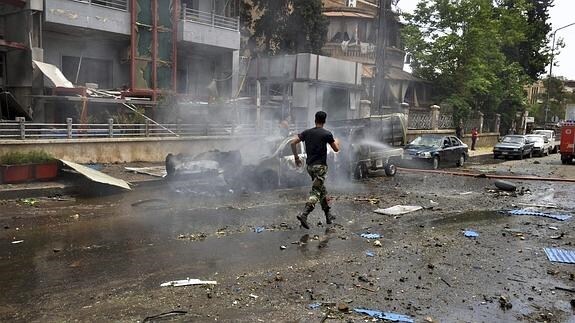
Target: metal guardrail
(112, 4)
(21, 130)
(210, 19)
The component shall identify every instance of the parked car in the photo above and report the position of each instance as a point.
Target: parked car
(541, 145)
(435, 150)
(513, 146)
(554, 142)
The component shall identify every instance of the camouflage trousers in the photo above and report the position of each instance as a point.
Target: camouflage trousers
(318, 192)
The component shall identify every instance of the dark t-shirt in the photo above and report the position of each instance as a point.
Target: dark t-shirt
(316, 140)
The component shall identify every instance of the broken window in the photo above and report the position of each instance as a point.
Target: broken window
(88, 70)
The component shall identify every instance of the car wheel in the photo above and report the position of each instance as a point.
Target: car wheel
(360, 171)
(563, 161)
(461, 161)
(521, 154)
(435, 164)
(530, 154)
(390, 169)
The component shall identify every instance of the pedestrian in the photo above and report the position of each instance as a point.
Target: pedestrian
(316, 140)
(474, 135)
(459, 130)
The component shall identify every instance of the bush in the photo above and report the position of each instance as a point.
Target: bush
(30, 157)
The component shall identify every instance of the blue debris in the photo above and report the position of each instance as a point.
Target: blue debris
(369, 254)
(470, 234)
(385, 315)
(314, 306)
(556, 216)
(259, 229)
(560, 255)
(370, 235)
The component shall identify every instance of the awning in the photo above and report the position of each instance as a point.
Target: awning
(54, 74)
(347, 14)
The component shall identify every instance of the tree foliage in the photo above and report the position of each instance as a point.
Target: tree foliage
(478, 53)
(287, 26)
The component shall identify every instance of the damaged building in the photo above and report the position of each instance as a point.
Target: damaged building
(136, 48)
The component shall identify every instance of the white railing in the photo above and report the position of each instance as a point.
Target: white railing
(112, 4)
(210, 19)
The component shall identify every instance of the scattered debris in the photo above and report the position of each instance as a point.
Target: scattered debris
(505, 303)
(558, 236)
(556, 216)
(164, 315)
(97, 176)
(193, 237)
(560, 255)
(377, 243)
(470, 234)
(370, 200)
(369, 254)
(445, 281)
(565, 289)
(28, 201)
(548, 206)
(385, 315)
(365, 288)
(398, 209)
(187, 282)
(283, 247)
(156, 171)
(466, 193)
(259, 229)
(17, 241)
(371, 235)
(314, 306)
(505, 185)
(254, 296)
(553, 228)
(342, 307)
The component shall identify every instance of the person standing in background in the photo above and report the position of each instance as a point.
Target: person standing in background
(474, 136)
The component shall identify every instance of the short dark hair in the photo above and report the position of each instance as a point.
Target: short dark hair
(320, 117)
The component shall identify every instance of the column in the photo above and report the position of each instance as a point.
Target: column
(434, 110)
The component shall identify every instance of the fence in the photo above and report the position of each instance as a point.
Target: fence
(446, 121)
(112, 4)
(419, 120)
(210, 19)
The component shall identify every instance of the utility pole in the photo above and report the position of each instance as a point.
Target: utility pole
(379, 93)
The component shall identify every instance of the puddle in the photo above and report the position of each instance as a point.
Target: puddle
(470, 217)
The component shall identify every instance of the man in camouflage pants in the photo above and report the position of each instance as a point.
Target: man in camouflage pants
(316, 140)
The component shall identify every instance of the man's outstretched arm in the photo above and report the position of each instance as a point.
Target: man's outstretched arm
(294, 142)
(335, 145)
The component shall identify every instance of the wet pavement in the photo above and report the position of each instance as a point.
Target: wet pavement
(103, 259)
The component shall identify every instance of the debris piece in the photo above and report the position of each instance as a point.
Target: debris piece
(558, 236)
(505, 185)
(164, 315)
(377, 243)
(259, 229)
(398, 209)
(254, 296)
(365, 288)
(548, 206)
(17, 241)
(566, 289)
(470, 234)
(369, 254)
(428, 319)
(466, 193)
(371, 235)
(553, 228)
(560, 255)
(445, 281)
(384, 315)
(97, 176)
(56, 250)
(151, 203)
(342, 307)
(156, 171)
(370, 200)
(187, 282)
(433, 203)
(505, 303)
(283, 247)
(560, 217)
(28, 201)
(314, 306)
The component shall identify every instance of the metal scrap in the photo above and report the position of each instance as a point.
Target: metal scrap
(188, 282)
(560, 255)
(556, 216)
(393, 317)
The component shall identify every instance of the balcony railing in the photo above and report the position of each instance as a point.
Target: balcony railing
(112, 4)
(210, 19)
(365, 54)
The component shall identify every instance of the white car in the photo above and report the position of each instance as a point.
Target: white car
(541, 145)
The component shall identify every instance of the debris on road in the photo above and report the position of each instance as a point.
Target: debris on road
(560, 255)
(371, 235)
(188, 282)
(151, 203)
(17, 241)
(556, 216)
(369, 254)
(96, 176)
(398, 209)
(156, 171)
(28, 201)
(393, 317)
(164, 315)
(283, 247)
(470, 234)
(557, 237)
(377, 243)
(505, 303)
(314, 306)
(259, 229)
(505, 185)
(253, 296)
(370, 200)
(466, 193)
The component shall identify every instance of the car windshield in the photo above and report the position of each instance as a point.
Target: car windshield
(514, 140)
(535, 139)
(426, 141)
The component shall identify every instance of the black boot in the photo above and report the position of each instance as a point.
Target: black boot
(329, 217)
(303, 216)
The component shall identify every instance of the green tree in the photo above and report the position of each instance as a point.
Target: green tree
(288, 26)
(558, 99)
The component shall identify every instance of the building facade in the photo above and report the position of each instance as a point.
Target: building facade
(144, 48)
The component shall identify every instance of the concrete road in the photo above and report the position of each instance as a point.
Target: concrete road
(103, 259)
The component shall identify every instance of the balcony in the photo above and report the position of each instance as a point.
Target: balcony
(209, 29)
(105, 15)
(364, 54)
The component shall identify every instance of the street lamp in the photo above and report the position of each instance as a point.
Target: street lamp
(551, 70)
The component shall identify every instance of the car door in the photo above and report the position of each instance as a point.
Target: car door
(457, 148)
(446, 151)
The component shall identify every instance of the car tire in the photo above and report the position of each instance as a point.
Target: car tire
(390, 169)
(360, 171)
(521, 154)
(461, 161)
(530, 155)
(435, 162)
(563, 161)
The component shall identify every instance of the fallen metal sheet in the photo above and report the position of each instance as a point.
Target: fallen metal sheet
(560, 255)
(157, 171)
(393, 317)
(96, 176)
(398, 209)
(370, 235)
(188, 282)
(54, 74)
(470, 234)
(556, 216)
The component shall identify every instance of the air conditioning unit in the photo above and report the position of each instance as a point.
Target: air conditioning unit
(351, 3)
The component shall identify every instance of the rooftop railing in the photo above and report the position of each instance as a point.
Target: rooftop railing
(210, 19)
